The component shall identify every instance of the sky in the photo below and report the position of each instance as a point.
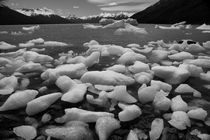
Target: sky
(83, 7)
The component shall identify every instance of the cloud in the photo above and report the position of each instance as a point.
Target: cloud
(127, 8)
(107, 2)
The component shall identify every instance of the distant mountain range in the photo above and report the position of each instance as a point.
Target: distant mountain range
(47, 16)
(173, 11)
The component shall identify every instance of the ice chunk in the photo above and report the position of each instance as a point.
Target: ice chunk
(102, 99)
(18, 99)
(106, 78)
(161, 102)
(30, 67)
(203, 27)
(106, 21)
(204, 63)
(6, 46)
(8, 85)
(158, 55)
(120, 94)
(130, 58)
(171, 74)
(31, 28)
(25, 131)
(206, 45)
(139, 67)
(205, 76)
(185, 88)
(41, 103)
(73, 92)
(156, 129)
(91, 26)
(147, 94)
(54, 44)
(198, 114)
(118, 68)
(130, 29)
(130, 112)
(36, 57)
(177, 104)
(116, 24)
(180, 120)
(76, 114)
(105, 126)
(181, 56)
(143, 77)
(163, 86)
(71, 70)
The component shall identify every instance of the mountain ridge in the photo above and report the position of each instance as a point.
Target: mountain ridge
(173, 11)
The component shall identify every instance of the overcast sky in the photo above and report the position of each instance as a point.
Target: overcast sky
(83, 7)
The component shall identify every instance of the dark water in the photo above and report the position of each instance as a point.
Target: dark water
(76, 35)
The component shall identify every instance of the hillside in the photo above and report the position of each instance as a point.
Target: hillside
(173, 11)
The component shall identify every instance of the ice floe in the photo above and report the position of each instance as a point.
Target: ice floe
(6, 46)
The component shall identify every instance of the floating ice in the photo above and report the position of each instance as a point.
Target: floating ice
(31, 28)
(158, 55)
(203, 27)
(106, 78)
(129, 112)
(25, 131)
(194, 70)
(147, 94)
(36, 57)
(181, 56)
(18, 99)
(105, 126)
(30, 67)
(156, 129)
(138, 67)
(180, 120)
(106, 21)
(54, 44)
(177, 104)
(130, 58)
(130, 29)
(171, 74)
(73, 92)
(116, 24)
(76, 114)
(8, 85)
(163, 86)
(120, 94)
(205, 76)
(185, 88)
(161, 102)
(144, 77)
(71, 70)
(204, 63)
(6, 46)
(41, 103)
(118, 68)
(198, 114)
(26, 45)
(102, 99)
(91, 26)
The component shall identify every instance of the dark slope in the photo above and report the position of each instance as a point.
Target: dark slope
(173, 11)
(11, 17)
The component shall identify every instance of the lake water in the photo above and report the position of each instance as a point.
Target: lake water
(76, 35)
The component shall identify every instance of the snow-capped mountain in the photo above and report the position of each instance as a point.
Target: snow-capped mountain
(39, 11)
(108, 15)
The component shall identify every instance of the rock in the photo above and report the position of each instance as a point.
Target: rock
(130, 112)
(18, 99)
(180, 120)
(73, 92)
(120, 94)
(74, 130)
(171, 74)
(156, 129)
(147, 94)
(181, 56)
(177, 104)
(41, 103)
(76, 114)
(25, 131)
(161, 102)
(130, 58)
(71, 70)
(198, 114)
(106, 78)
(139, 67)
(105, 126)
